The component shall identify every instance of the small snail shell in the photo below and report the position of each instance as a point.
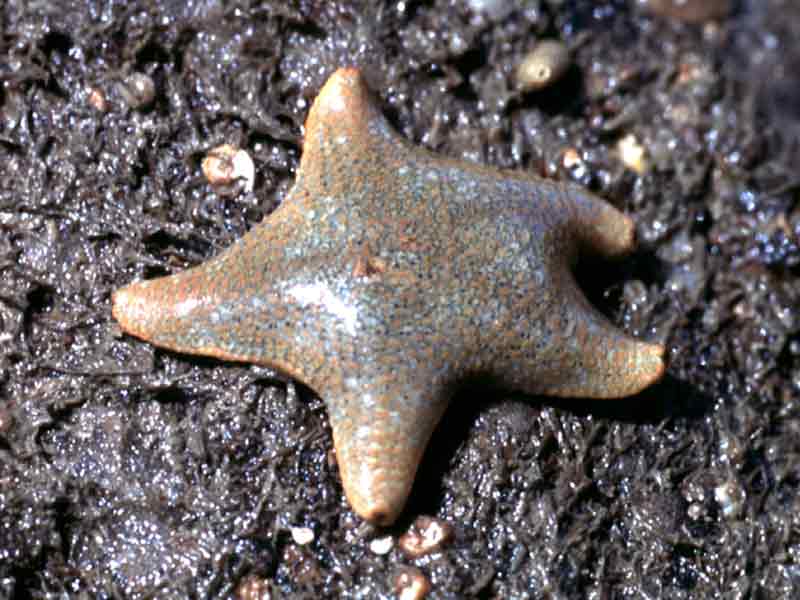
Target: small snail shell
(543, 66)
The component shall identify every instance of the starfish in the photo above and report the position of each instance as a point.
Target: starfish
(387, 276)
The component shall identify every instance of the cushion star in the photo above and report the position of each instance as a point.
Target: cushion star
(388, 275)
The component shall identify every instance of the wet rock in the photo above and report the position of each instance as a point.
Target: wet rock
(138, 90)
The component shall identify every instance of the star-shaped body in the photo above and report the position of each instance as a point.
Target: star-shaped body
(387, 276)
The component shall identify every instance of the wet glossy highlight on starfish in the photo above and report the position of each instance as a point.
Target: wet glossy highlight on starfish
(387, 276)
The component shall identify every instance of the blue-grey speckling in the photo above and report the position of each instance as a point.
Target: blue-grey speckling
(388, 275)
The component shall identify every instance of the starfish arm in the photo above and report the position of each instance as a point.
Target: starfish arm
(599, 227)
(380, 429)
(585, 355)
(344, 103)
(228, 308)
(164, 311)
(347, 139)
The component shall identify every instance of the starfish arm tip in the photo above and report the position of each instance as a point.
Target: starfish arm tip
(147, 309)
(639, 365)
(646, 366)
(380, 433)
(600, 226)
(375, 484)
(376, 509)
(629, 235)
(124, 308)
(344, 105)
(655, 364)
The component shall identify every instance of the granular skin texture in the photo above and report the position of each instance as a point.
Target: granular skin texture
(128, 471)
(475, 281)
(691, 11)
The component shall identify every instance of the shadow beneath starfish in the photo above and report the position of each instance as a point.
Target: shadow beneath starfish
(601, 280)
(668, 400)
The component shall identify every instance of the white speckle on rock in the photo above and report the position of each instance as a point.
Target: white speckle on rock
(730, 498)
(243, 168)
(302, 535)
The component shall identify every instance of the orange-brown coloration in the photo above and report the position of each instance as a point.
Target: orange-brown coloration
(218, 165)
(425, 535)
(367, 266)
(410, 583)
(691, 11)
(387, 276)
(98, 99)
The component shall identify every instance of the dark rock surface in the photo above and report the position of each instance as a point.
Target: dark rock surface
(130, 472)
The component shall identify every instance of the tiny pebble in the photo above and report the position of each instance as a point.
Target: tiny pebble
(253, 588)
(426, 535)
(225, 164)
(570, 158)
(302, 535)
(411, 584)
(730, 499)
(695, 511)
(691, 11)
(381, 545)
(543, 66)
(138, 90)
(98, 100)
(632, 154)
